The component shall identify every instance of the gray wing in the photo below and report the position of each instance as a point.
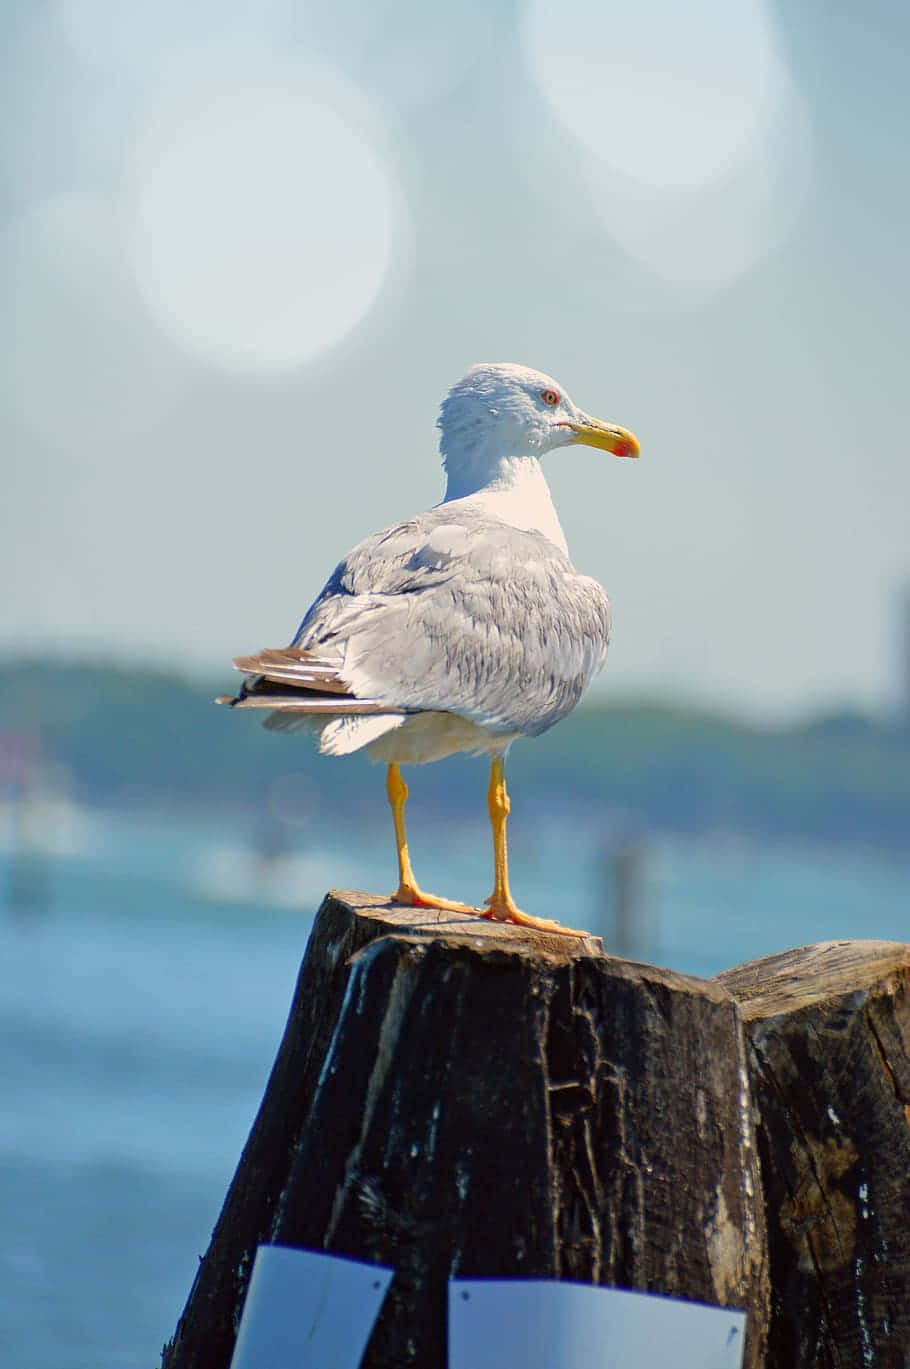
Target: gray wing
(463, 614)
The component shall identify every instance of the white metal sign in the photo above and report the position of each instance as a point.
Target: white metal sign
(541, 1324)
(305, 1308)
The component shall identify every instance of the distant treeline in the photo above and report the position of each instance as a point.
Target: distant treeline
(135, 735)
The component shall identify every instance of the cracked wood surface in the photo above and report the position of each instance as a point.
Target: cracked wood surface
(828, 1028)
(457, 1097)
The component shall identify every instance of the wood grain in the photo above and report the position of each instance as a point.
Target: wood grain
(828, 1030)
(454, 1097)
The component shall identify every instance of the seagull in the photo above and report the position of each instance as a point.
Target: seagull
(463, 628)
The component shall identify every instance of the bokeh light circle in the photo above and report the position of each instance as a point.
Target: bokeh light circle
(712, 235)
(690, 134)
(668, 94)
(265, 217)
(137, 42)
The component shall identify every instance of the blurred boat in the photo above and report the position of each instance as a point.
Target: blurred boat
(266, 871)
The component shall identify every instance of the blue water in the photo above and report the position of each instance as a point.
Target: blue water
(143, 997)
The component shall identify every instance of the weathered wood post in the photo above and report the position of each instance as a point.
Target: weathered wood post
(455, 1097)
(828, 1029)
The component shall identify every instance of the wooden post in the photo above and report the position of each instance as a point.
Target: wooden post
(829, 1061)
(458, 1097)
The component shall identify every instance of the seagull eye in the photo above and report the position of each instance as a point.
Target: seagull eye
(549, 397)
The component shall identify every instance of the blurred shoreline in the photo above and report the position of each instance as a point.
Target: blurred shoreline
(94, 736)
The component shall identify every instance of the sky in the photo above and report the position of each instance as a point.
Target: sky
(248, 247)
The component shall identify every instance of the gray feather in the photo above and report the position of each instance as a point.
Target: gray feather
(459, 612)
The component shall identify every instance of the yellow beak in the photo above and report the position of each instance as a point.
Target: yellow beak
(609, 436)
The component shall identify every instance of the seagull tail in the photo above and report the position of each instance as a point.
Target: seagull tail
(340, 734)
(303, 693)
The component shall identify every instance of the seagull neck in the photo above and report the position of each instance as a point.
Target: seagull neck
(513, 490)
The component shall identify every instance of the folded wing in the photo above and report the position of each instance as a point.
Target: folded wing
(451, 612)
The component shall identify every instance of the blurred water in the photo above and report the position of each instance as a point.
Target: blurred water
(141, 1006)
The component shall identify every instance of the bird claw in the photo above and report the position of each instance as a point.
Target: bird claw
(500, 910)
(411, 896)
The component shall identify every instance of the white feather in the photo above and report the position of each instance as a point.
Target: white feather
(345, 735)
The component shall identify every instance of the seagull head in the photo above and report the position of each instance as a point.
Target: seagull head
(513, 411)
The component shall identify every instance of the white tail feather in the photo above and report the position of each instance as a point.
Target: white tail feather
(344, 735)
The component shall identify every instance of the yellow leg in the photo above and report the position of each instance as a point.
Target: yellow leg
(409, 891)
(501, 905)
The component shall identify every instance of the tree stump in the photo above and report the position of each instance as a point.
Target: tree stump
(455, 1097)
(828, 1029)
